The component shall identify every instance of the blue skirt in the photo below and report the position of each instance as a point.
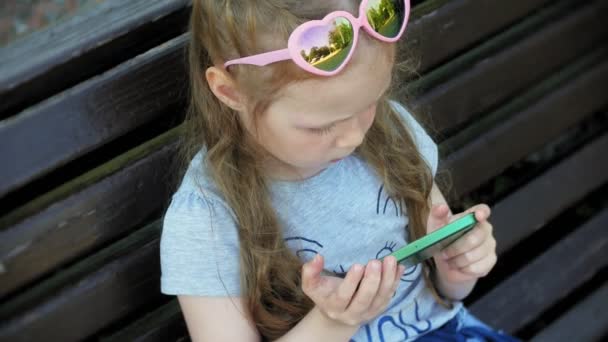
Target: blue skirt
(465, 327)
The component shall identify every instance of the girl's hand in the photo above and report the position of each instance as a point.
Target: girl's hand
(473, 255)
(363, 294)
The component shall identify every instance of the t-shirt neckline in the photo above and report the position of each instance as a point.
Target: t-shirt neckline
(312, 181)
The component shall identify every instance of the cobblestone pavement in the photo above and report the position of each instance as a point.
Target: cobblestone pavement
(20, 17)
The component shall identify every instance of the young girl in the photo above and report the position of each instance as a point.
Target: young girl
(299, 165)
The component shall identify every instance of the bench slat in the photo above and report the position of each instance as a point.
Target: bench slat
(97, 207)
(90, 115)
(94, 293)
(87, 43)
(499, 147)
(459, 23)
(164, 324)
(519, 299)
(558, 188)
(586, 321)
(523, 101)
(491, 80)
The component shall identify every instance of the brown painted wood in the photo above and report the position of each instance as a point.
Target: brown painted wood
(164, 324)
(125, 283)
(547, 278)
(441, 34)
(85, 220)
(491, 81)
(557, 189)
(86, 44)
(499, 147)
(586, 321)
(83, 118)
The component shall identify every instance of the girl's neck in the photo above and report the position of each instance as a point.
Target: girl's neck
(277, 170)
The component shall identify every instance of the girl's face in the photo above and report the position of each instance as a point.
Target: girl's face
(316, 122)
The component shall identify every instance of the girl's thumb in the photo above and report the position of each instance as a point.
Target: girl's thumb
(311, 272)
(438, 217)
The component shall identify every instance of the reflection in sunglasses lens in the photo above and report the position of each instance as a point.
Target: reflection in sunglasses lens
(326, 46)
(386, 16)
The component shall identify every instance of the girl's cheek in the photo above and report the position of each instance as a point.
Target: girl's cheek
(369, 116)
(311, 142)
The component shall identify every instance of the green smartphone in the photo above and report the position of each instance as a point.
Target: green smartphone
(428, 245)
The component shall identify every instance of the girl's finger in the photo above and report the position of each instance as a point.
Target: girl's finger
(367, 290)
(385, 290)
(482, 211)
(397, 281)
(473, 239)
(400, 272)
(480, 268)
(311, 275)
(347, 288)
(470, 257)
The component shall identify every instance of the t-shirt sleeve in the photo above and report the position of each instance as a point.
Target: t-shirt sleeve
(426, 145)
(199, 248)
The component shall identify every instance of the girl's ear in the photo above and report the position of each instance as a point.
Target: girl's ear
(225, 89)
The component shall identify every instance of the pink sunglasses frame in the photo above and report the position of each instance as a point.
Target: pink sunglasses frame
(292, 51)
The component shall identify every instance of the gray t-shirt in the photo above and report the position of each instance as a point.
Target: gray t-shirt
(343, 213)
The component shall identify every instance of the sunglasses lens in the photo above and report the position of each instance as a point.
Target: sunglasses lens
(386, 17)
(326, 47)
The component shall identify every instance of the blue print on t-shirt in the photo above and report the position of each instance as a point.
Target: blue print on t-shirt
(429, 326)
(382, 204)
(410, 275)
(311, 246)
(388, 326)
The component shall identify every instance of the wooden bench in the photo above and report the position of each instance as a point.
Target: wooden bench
(514, 93)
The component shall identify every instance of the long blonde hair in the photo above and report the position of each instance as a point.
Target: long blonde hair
(270, 273)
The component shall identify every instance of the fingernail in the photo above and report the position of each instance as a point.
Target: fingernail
(444, 255)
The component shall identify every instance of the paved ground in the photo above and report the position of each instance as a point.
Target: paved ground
(20, 17)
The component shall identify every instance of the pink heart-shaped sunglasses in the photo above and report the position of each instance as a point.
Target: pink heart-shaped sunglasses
(324, 47)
